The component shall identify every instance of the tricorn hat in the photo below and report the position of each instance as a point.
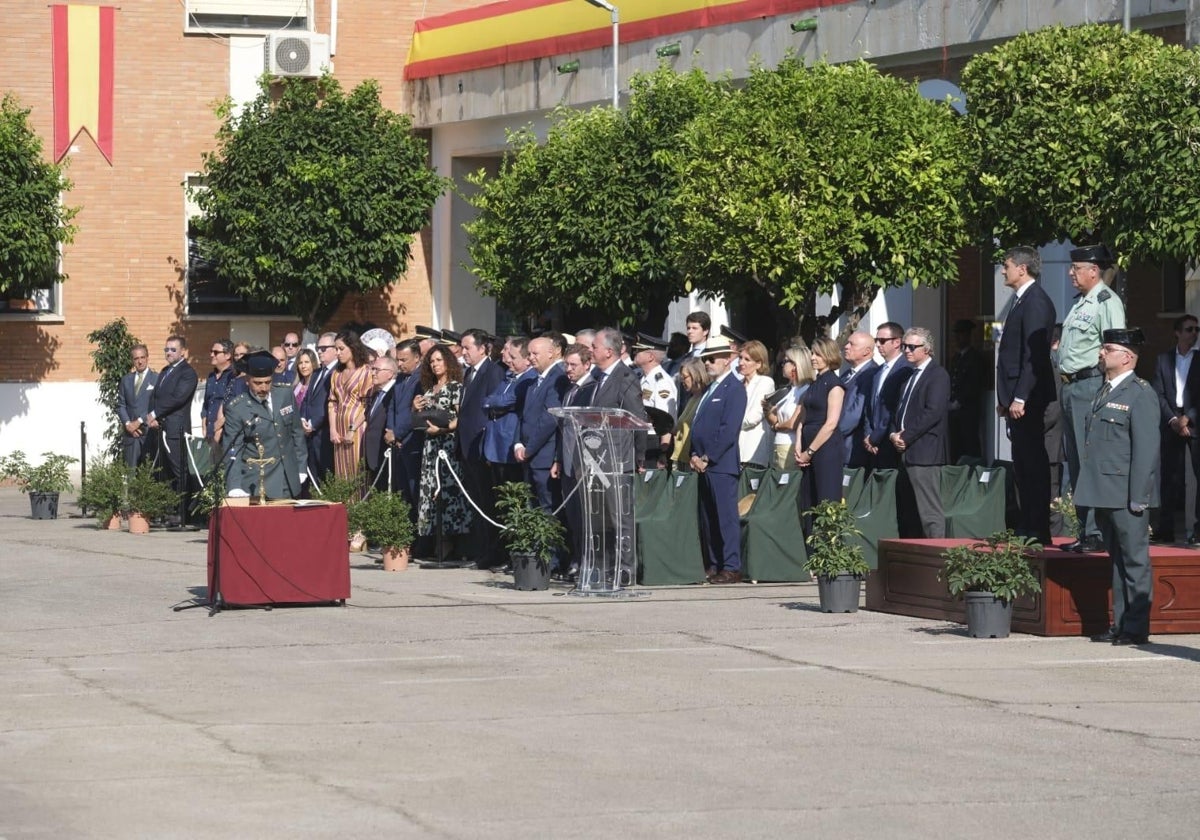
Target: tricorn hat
(1098, 254)
(427, 332)
(734, 335)
(261, 363)
(1133, 338)
(648, 342)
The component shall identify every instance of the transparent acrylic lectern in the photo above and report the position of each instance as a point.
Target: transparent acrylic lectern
(599, 453)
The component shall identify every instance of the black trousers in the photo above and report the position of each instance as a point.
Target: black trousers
(1177, 456)
(1031, 467)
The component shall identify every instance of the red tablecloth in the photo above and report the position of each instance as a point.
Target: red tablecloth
(279, 554)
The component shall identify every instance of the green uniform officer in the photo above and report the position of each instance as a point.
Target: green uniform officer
(1095, 310)
(1119, 481)
(266, 415)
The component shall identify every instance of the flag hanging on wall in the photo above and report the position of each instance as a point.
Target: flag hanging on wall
(83, 76)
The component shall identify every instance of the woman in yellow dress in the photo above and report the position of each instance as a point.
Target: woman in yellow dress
(348, 391)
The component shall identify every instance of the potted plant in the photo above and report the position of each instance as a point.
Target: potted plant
(531, 534)
(383, 518)
(148, 499)
(344, 491)
(43, 483)
(990, 575)
(103, 493)
(836, 563)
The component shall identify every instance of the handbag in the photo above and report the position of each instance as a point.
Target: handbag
(439, 417)
(774, 398)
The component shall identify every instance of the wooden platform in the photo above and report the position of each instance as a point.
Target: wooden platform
(1076, 589)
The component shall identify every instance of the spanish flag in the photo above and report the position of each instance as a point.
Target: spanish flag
(83, 76)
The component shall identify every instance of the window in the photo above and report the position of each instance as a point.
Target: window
(1174, 284)
(42, 302)
(233, 17)
(208, 293)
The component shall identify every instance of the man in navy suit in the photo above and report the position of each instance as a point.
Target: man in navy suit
(171, 409)
(503, 407)
(921, 434)
(1025, 386)
(890, 379)
(481, 376)
(133, 404)
(1176, 382)
(534, 448)
(406, 443)
(383, 472)
(858, 380)
(715, 430)
(314, 412)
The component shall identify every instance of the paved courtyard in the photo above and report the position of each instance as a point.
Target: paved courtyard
(444, 704)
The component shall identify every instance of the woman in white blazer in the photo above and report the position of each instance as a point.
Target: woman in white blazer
(756, 441)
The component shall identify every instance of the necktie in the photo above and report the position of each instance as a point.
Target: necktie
(138, 379)
(570, 400)
(1104, 389)
(849, 375)
(704, 399)
(470, 375)
(883, 372)
(378, 400)
(908, 389)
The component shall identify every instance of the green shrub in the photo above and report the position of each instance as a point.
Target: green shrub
(997, 565)
(527, 528)
(830, 552)
(50, 476)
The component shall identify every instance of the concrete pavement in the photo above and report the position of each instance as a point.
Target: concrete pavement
(444, 704)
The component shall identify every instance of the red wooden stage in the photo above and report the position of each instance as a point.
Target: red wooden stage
(1076, 589)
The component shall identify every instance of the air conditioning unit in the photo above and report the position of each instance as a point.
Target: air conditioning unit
(301, 54)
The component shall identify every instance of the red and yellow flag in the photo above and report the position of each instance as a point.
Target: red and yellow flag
(83, 76)
(519, 30)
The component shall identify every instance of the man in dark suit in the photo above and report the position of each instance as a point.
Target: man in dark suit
(171, 410)
(133, 404)
(534, 448)
(405, 442)
(858, 380)
(715, 430)
(503, 407)
(314, 413)
(1118, 479)
(382, 471)
(265, 416)
(967, 383)
(921, 434)
(481, 376)
(1176, 383)
(889, 384)
(617, 386)
(1025, 386)
(577, 365)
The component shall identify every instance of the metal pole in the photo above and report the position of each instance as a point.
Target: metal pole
(1126, 20)
(616, 22)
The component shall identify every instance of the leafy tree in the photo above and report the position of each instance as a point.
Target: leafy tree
(34, 223)
(1088, 133)
(112, 359)
(313, 193)
(815, 178)
(583, 220)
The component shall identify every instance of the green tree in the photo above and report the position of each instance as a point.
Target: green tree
(312, 193)
(815, 178)
(34, 223)
(584, 218)
(112, 359)
(1089, 134)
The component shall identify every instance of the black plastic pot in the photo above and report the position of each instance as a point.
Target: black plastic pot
(988, 617)
(44, 505)
(839, 594)
(530, 573)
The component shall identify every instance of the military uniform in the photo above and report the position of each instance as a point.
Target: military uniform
(278, 428)
(659, 391)
(1119, 480)
(1079, 354)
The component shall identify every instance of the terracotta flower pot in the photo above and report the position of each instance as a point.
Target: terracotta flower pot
(138, 524)
(114, 523)
(395, 559)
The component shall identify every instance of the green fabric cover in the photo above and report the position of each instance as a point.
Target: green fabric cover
(872, 497)
(749, 481)
(973, 501)
(667, 514)
(772, 539)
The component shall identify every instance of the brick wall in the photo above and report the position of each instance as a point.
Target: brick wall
(128, 253)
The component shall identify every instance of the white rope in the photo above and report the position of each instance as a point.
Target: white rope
(443, 457)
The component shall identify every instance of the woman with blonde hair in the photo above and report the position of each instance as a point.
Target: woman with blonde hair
(754, 440)
(694, 378)
(784, 415)
(819, 446)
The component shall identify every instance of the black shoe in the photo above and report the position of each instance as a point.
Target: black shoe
(1131, 639)
(1087, 545)
(1193, 540)
(506, 569)
(1071, 546)
(1164, 539)
(1109, 636)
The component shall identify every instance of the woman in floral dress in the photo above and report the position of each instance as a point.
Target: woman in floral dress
(348, 390)
(441, 383)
